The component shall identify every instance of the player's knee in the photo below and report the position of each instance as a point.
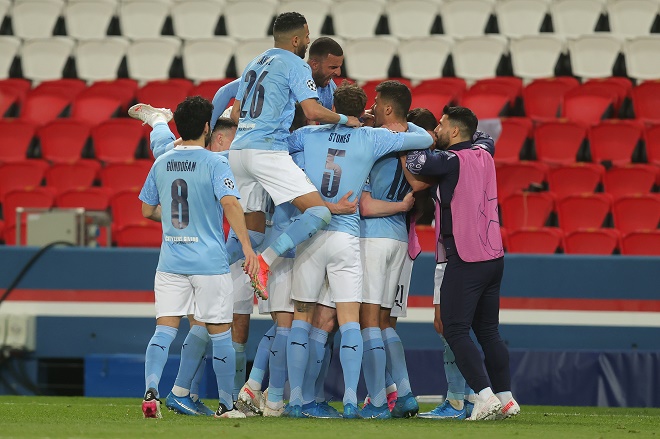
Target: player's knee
(322, 213)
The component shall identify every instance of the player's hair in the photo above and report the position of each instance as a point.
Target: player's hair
(224, 123)
(299, 118)
(397, 95)
(324, 46)
(350, 99)
(191, 115)
(463, 118)
(288, 22)
(423, 118)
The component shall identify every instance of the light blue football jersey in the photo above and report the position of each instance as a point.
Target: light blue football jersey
(387, 183)
(338, 160)
(270, 86)
(188, 183)
(327, 94)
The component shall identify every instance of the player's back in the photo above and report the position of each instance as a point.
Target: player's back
(193, 240)
(270, 86)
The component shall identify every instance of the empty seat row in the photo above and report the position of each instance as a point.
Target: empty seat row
(346, 18)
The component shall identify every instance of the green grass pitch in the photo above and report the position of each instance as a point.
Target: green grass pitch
(77, 417)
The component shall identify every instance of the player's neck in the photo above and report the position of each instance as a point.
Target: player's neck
(287, 47)
(195, 142)
(397, 120)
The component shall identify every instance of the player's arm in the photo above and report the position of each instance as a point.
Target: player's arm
(318, 113)
(236, 219)
(343, 206)
(417, 182)
(373, 208)
(221, 99)
(151, 212)
(485, 141)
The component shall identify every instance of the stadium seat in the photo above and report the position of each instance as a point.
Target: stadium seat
(95, 109)
(424, 58)
(126, 209)
(535, 57)
(207, 89)
(633, 17)
(164, 94)
(99, 60)
(207, 59)
(636, 212)
(455, 86)
(520, 17)
(356, 18)
(621, 88)
(142, 18)
(147, 234)
(41, 108)
(614, 141)
(63, 140)
(505, 238)
(512, 139)
(630, 180)
(518, 176)
(151, 59)
(575, 179)
(526, 209)
(583, 211)
(592, 241)
(433, 102)
(508, 85)
(250, 49)
(34, 19)
(573, 18)
(593, 56)
(486, 105)
(369, 58)
(315, 12)
(67, 87)
(411, 18)
(9, 47)
(426, 236)
(44, 59)
(195, 19)
(4, 9)
(19, 175)
(93, 198)
(588, 106)
(66, 176)
(88, 19)
(8, 100)
(117, 140)
(15, 139)
(542, 98)
(465, 18)
(477, 57)
(641, 243)
(249, 18)
(559, 142)
(652, 139)
(123, 89)
(542, 240)
(35, 197)
(118, 177)
(646, 102)
(16, 86)
(641, 62)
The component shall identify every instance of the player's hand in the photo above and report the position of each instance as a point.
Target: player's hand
(368, 119)
(408, 202)
(251, 265)
(396, 126)
(345, 207)
(353, 122)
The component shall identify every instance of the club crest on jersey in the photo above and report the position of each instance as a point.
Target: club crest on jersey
(229, 183)
(311, 84)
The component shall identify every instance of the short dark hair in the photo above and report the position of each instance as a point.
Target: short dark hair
(224, 123)
(464, 118)
(350, 99)
(191, 115)
(288, 22)
(324, 46)
(396, 94)
(423, 118)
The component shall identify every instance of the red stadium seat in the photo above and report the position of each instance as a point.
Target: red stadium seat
(505, 238)
(518, 176)
(15, 138)
(63, 140)
(66, 87)
(434, 102)
(123, 89)
(487, 105)
(95, 109)
(18, 87)
(43, 107)
(636, 212)
(508, 85)
(207, 89)
(148, 234)
(117, 140)
(619, 86)
(426, 236)
(583, 211)
(19, 176)
(641, 243)
(559, 142)
(454, 86)
(614, 141)
(65, 176)
(592, 241)
(652, 139)
(514, 135)
(8, 99)
(646, 101)
(526, 209)
(588, 106)
(535, 240)
(125, 176)
(542, 98)
(92, 198)
(126, 210)
(164, 94)
(575, 179)
(630, 180)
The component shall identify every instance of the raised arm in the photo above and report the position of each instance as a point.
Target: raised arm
(318, 113)
(221, 99)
